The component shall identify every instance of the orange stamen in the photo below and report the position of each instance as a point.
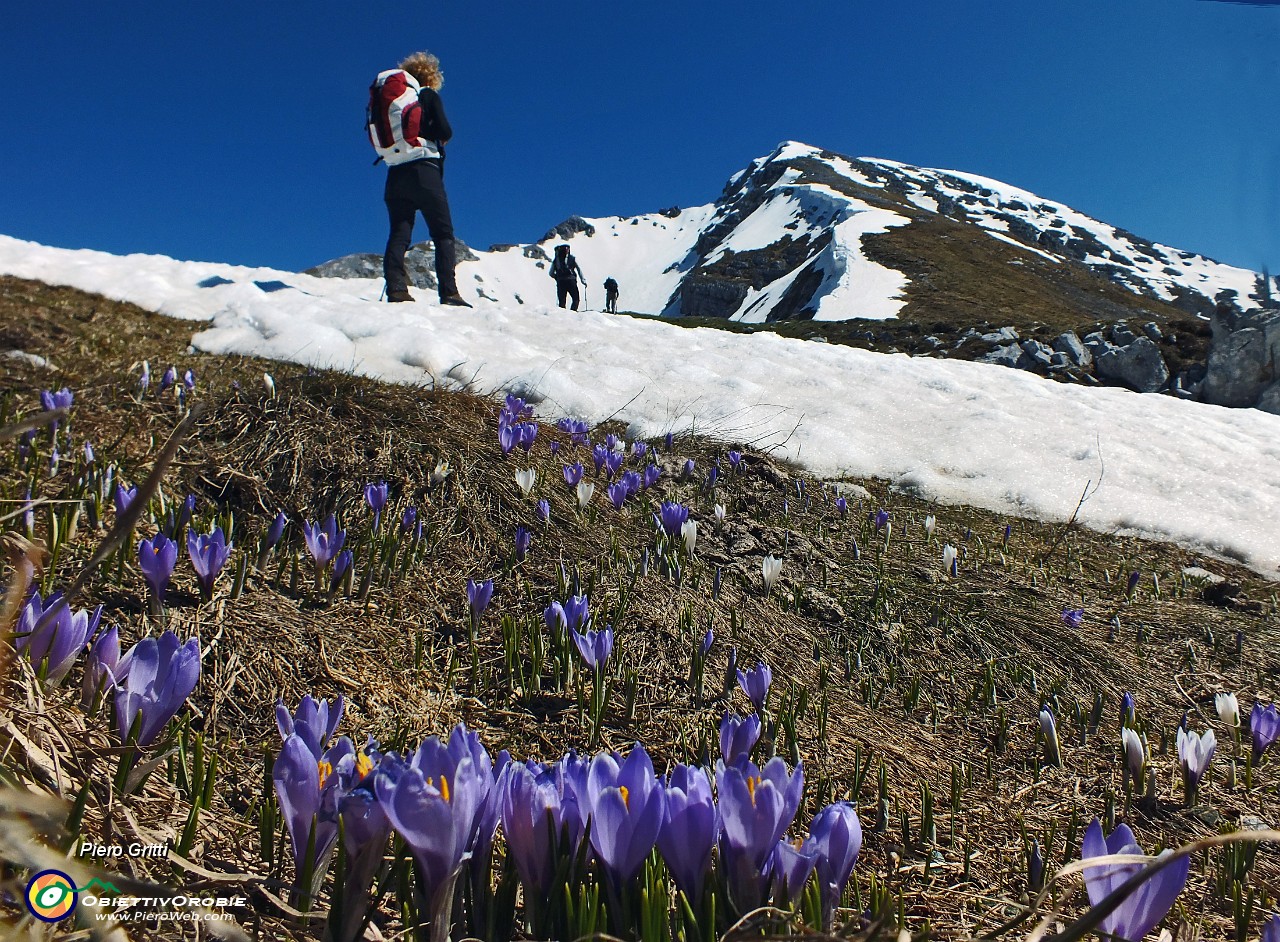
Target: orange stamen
(626, 796)
(325, 768)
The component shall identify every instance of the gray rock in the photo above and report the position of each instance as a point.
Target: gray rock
(1242, 357)
(850, 491)
(1037, 353)
(1001, 336)
(1138, 365)
(536, 252)
(419, 261)
(1152, 330)
(1070, 345)
(569, 227)
(1008, 355)
(1269, 401)
(1059, 361)
(1121, 335)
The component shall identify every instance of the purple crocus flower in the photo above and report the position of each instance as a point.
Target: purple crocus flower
(308, 791)
(61, 399)
(276, 530)
(755, 684)
(735, 459)
(554, 617)
(757, 805)
(651, 475)
(631, 481)
(88, 453)
(668, 440)
(842, 506)
(209, 553)
(1271, 931)
(314, 722)
(626, 802)
(707, 640)
(687, 471)
(690, 829)
(573, 473)
(432, 802)
(375, 495)
(124, 497)
(555, 448)
(365, 830)
(144, 378)
(1264, 728)
(1128, 709)
(1073, 617)
(613, 462)
(523, 539)
(672, 518)
(1148, 903)
(341, 563)
(531, 809)
(618, 494)
(409, 518)
(161, 675)
(790, 866)
(881, 518)
(323, 542)
(101, 668)
(507, 437)
(157, 557)
(611, 441)
(544, 511)
(594, 647)
(52, 635)
(169, 378)
(836, 835)
(189, 380)
(577, 612)
(1134, 579)
(599, 455)
(526, 432)
(479, 594)
(639, 449)
(738, 736)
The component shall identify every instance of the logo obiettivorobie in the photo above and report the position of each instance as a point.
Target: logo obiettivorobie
(51, 895)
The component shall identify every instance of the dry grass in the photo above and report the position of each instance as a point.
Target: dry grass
(843, 628)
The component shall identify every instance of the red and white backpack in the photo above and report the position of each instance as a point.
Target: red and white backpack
(394, 119)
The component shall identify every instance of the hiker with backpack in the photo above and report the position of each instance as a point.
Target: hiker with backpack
(565, 270)
(408, 129)
(610, 295)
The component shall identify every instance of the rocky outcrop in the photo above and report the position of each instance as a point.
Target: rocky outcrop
(1137, 365)
(1243, 357)
(569, 227)
(419, 261)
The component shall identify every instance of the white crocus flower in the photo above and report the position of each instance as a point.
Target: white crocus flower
(526, 479)
(585, 490)
(1228, 709)
(689, 530)
(770, 568)
(930, 522)
(949, 568)
(720, 514)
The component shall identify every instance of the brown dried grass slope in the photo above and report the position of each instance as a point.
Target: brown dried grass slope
(896, 665)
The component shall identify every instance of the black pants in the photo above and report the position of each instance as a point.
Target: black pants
(413, 188)
(567, 287)
(611, 302)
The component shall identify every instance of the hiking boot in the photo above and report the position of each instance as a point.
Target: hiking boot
(402, 295)
(454, 300)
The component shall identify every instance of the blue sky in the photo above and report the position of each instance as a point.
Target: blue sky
(233, 131)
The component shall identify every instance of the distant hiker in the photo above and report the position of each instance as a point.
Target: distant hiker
(408, 129)
(565, 270)
(610, 295)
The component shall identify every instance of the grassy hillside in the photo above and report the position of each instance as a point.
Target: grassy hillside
(909, 692)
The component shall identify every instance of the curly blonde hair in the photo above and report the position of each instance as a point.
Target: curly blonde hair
(425, 68)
